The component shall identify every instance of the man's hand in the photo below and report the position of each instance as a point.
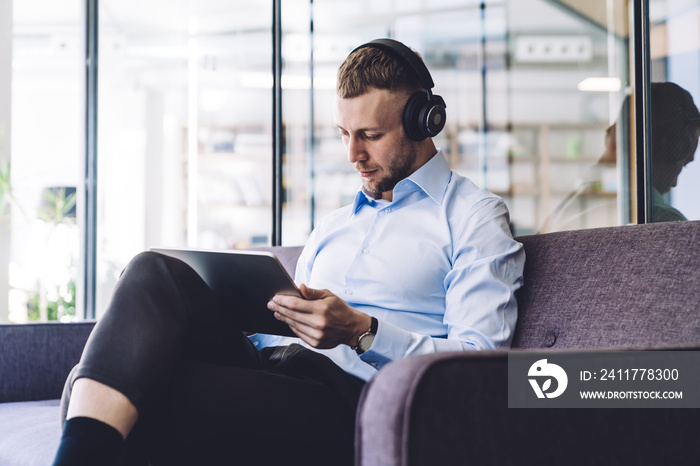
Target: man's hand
(321, 319)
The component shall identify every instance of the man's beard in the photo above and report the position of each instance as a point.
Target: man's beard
(400, 168)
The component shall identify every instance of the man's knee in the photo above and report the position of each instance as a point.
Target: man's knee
(147, 260)
(149, 264)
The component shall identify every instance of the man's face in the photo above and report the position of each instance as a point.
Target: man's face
(372, 131)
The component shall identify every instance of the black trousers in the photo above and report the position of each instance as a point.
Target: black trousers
(204, 393)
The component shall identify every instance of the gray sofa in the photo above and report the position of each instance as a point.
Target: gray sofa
(632, 287)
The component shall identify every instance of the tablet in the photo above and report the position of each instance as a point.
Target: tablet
(244, 281)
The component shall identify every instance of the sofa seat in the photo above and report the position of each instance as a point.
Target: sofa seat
(29, 432)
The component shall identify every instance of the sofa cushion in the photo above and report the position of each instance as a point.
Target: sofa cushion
(36, 358)
(29, 433)
(287, 255)
(621, 286)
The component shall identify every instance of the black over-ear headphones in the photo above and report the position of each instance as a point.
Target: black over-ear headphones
(424, 114)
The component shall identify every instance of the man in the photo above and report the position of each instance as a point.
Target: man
(422, 261)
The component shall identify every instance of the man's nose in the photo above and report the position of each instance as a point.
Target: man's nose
(356, 150)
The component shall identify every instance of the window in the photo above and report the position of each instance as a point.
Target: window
(184, 129)
(41, 151)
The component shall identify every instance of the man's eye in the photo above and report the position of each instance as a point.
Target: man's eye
(372, 137)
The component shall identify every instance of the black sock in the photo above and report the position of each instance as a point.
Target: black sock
(88, 442)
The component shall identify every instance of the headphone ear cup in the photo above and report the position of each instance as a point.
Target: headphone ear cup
(412, 122)
(423, 118)
(433, 116)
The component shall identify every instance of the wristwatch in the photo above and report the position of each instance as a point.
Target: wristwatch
(366, 339)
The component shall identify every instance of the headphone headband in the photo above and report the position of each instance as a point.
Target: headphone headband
(406, 55)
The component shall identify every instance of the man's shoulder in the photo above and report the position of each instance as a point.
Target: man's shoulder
(463, 193)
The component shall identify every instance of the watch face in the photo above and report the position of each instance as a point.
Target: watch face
(365, 342)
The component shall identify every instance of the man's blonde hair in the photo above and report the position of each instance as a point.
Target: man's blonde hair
(371, 67)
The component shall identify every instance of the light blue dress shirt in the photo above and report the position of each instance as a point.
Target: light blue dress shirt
(437, 267)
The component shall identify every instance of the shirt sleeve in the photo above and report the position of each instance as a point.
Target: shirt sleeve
(480, 305)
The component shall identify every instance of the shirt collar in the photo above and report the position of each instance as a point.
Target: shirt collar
(433, 178)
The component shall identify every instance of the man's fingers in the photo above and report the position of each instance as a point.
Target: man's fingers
(300, 316)
(291, 302)
(307, 303)
(308, 334)
(320, 318)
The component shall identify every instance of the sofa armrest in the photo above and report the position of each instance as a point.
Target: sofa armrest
(35, 359)
(452, 408)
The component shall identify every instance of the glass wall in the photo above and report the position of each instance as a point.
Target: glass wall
(300, 83)
(42, 141)
(567, 80)
(675, 120)
(184, 128)
(538, 92)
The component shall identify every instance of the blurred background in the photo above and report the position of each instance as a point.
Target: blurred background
(538, 99)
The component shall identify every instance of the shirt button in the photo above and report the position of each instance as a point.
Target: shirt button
(348, 292)
(365, 251)
(388, 210)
